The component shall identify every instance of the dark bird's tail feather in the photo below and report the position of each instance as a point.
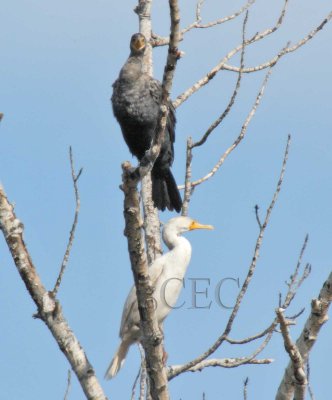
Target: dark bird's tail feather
(165, 193)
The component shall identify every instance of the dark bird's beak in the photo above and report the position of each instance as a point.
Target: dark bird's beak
(138, 43)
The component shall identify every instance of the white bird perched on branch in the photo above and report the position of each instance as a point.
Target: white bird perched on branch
(166, 274)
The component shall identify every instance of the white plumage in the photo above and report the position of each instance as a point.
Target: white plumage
(166, 274)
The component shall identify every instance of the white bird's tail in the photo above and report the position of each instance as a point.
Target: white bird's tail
(118, 359)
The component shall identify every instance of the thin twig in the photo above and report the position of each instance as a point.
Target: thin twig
(66, 397)
(245, 388)
(162, 41)
(295, 316)
(251, 338)
(311, 393)
(133, 389)
(257, 216)
(286, 50)
(75, 178)
(247, 281)
(299, 261)
(271, 328)
(197, 23)
(187, 182)
(226, 363)
(219, 120)
(223, 362)
(212, 73)
(295, 282)
(239, 138)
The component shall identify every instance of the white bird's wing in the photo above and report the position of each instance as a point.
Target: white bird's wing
(129, 310)
(130, 314)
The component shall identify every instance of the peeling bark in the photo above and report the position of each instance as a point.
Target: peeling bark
(152, 339)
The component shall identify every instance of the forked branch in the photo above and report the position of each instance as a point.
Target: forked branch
(239, 139)
(247, 281)
(220, 119)
(75, 179)
(308, 337)
(197, 24)
(300, 381)
(49, 309)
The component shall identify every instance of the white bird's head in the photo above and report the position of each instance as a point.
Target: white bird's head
(178, 225)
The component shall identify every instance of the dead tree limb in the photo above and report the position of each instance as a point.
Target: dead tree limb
(247, 280)
(49, 309)
(197, 24)
(75, 179)
(152, 339)
(300, 378)
(308, 337)
(239, 139)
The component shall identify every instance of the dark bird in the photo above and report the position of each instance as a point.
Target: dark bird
(136, 101)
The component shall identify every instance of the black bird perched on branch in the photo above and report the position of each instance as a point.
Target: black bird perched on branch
(136, 101)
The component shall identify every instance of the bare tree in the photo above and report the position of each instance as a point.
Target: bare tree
(143, 231)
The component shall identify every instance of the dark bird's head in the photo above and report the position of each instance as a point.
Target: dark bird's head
(137, 44)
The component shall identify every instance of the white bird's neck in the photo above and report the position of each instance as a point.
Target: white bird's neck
(172, 239)
(180, 250)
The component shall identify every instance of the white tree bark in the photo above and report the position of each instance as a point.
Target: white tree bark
(308, 337)
(49, 309)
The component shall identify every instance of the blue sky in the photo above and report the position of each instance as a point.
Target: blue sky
(59, 60)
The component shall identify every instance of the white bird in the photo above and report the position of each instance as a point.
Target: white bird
(166, 274)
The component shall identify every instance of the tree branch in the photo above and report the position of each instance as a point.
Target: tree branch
(212, 73)
(151, 219)
(162, 41)
(187, 182)
(308, 337)
(66, 397)
(286, 50)
(75, 179)
(245, 388)
(152, 339)
(251, 338)
(222, 362)
(152, 223)
(219, 120)
(238, 140)
(295, 356)
(49, 310)
(247, 281)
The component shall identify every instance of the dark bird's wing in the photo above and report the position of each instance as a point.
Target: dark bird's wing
(165, 193)
(136, 100)
(156, 91)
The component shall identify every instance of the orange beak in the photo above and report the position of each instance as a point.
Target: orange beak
(197, 225)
